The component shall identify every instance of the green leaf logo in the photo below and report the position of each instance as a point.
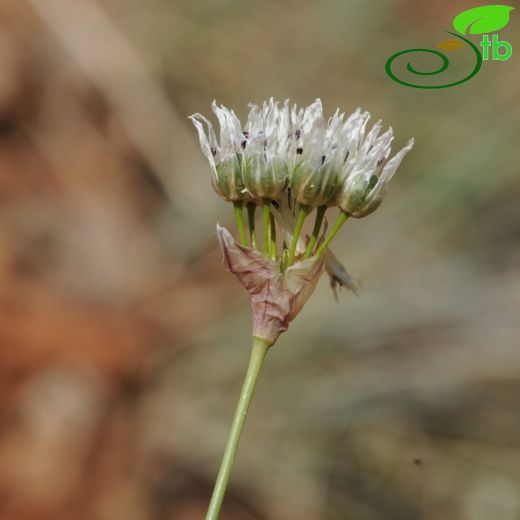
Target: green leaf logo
(484, 19)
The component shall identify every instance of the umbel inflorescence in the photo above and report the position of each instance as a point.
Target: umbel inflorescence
(290, 161)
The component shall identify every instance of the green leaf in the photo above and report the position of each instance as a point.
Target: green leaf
(484, 19)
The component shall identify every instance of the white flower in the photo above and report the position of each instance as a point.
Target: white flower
(331, 163)
(224, 158)
(248, 163)
(265, 150)
(318, 159)
(336, 164)
(366, 175)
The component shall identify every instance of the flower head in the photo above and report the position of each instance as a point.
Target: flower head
(331, 163)
(290, 161)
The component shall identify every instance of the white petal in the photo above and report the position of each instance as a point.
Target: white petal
(230, 131)
(371, 138)
(388, 172)
(312, 114)
(392, 165)
(381, 148)
(208, 145)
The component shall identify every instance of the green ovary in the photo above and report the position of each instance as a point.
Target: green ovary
(265, 180)
(229, 183)
(353, 200)
(314, 186)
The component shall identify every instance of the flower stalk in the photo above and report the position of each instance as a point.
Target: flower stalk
(256, 360)
(272, 235)
(342, 218)
(320, 213)
(300, 219)
(239, 219)
(266, 225)
(251, 208)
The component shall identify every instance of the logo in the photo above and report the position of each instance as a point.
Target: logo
(479, 20)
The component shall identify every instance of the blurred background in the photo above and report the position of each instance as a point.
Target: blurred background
(123, 339)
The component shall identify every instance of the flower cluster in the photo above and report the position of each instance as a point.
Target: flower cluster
(291, 161)
(324, 163)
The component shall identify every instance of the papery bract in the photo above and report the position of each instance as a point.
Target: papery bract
(276, 297)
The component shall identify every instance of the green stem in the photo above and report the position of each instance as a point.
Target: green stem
(258, 352)
(342, 218)
(273, 238)
(300, 219)
(251, 208)
(239, 217)
(266, 225)
(320, 213)
(283, 260)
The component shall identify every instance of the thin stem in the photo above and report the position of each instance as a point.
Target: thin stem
(239, 217)
(258, 352)
(320, 213)
(300, 219)
(342, 218)
(273, 238)
(251, 208)
(266, 225)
